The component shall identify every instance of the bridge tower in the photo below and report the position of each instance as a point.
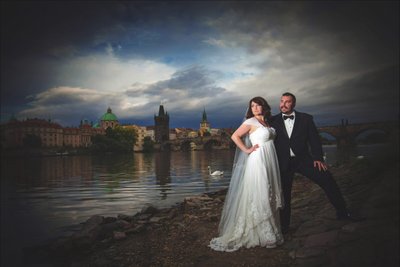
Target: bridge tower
(161, 125)
(204, 124)
(344, 138)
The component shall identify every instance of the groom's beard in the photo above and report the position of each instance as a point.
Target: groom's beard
(286, 110)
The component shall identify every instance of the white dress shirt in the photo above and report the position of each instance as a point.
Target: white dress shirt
(289, 123)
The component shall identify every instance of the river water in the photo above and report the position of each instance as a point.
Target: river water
(47, 197)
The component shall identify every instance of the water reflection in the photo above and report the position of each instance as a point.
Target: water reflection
(108, 184)
(46, 172)
(52, 193)
(162, 172)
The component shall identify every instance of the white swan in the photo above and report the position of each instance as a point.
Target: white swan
(216, 173)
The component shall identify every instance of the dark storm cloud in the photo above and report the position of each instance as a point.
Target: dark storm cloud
(46, 25)
(68, 106)
(352, 48)
(355, 33)
(333, 55)
(36, 33)
(369, 97)
(187, 89)
(38, 36)
(196, 81)
(224, 109)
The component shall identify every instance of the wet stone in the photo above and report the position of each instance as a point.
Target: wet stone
(321, 239)
(308, 252)
(119, 235)
(307, 229)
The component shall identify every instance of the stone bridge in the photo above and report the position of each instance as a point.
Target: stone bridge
(346, 134)
(198, 143)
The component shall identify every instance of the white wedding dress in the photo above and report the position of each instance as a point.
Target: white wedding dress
(250, 216)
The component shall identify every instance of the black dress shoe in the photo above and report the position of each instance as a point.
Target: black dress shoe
(349, 217)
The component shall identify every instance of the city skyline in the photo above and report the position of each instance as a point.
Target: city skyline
(70, 61)
(95, 121)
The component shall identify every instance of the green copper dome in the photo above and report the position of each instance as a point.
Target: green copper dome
(109, 116)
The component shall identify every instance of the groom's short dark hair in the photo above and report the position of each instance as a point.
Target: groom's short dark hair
(290, 94)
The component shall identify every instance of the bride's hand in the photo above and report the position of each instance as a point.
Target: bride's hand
(251, 149)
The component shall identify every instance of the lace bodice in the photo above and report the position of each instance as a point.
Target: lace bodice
(262, 135)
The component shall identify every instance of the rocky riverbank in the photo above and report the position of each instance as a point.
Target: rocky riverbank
(179, 236)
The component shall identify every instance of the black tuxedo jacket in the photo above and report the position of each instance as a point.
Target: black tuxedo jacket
(305, 141)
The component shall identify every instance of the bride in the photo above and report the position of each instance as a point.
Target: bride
(250, 216)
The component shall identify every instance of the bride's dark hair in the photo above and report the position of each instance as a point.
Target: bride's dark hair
(266, 109)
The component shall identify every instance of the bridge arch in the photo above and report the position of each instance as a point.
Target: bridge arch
(211, 143)
(186, 145)
(371, 135)
(327, 138)
(346, 134)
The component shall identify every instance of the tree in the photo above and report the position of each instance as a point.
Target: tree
(148, 144)
(126, 136)
(115, 140)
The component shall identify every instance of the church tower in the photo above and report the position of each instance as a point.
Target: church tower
(108, 120)
(204, 125)
(161, 125)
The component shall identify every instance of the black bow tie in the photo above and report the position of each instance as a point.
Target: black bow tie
(288, 117)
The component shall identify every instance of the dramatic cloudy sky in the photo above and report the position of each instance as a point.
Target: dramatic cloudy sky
(69, 61)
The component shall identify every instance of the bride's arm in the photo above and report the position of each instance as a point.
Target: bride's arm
(236, 137)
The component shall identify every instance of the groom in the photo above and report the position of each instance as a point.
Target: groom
(299, 150)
